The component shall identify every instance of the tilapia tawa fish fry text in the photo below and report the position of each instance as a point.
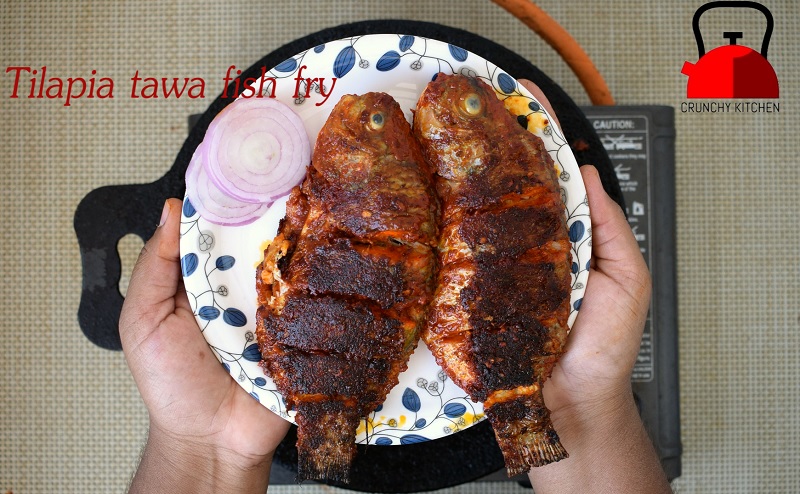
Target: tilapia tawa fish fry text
(345, 285)
(498, 320)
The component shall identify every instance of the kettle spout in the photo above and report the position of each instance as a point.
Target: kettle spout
(687, 68)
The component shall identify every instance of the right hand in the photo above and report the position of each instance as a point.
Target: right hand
(595, 371)
(589, 393)
(602, 347)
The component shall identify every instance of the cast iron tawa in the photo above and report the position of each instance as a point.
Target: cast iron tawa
(109, 213)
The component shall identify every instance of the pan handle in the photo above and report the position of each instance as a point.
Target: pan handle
(102, 218)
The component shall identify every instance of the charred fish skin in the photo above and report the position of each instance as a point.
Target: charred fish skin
(345, 286)
(498, 319)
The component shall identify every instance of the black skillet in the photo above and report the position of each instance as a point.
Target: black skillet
(107, 214)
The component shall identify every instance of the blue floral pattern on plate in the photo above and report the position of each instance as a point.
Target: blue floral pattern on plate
(218, 263)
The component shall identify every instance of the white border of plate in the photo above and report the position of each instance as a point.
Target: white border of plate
(219, 262)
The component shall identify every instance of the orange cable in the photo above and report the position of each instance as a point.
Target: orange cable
(564, 44)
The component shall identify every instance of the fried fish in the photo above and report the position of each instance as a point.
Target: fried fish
(498, 319)
(345, 286)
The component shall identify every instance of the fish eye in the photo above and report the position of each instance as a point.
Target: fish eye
(472, 104)
(376, 120)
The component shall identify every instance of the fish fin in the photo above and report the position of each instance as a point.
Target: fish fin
(524, 433)
(531, 449)
(325, 441)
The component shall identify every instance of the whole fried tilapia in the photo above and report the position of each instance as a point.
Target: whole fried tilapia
(498, 320)
(345, 286)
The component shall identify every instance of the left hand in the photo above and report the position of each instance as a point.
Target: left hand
(195, 407)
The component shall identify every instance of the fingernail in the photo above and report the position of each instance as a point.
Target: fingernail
(164, 214)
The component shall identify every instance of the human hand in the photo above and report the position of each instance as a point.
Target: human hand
(595, 371)
(604, 341)
(589, 393)
(201, 421)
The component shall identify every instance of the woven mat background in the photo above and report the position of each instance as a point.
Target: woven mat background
(70, 417)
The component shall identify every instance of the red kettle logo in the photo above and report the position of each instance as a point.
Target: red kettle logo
(731, 71)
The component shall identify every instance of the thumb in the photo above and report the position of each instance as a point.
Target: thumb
(155, 279)
(612, 238)
(615, 251)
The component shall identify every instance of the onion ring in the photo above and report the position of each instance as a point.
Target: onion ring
(212, 203)
(256, 150)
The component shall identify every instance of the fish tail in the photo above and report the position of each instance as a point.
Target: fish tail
(522, 426)
(325, 441)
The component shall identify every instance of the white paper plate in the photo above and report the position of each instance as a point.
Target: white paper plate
(219, 262)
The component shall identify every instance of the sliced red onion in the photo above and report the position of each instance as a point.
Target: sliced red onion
(256, 150)
(214, 204)
(253, 152)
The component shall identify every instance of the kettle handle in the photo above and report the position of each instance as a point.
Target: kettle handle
(698, 36)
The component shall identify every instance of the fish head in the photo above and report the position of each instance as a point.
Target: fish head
(452, 118)
(360, 132)
(366, 117)
(453, 100)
